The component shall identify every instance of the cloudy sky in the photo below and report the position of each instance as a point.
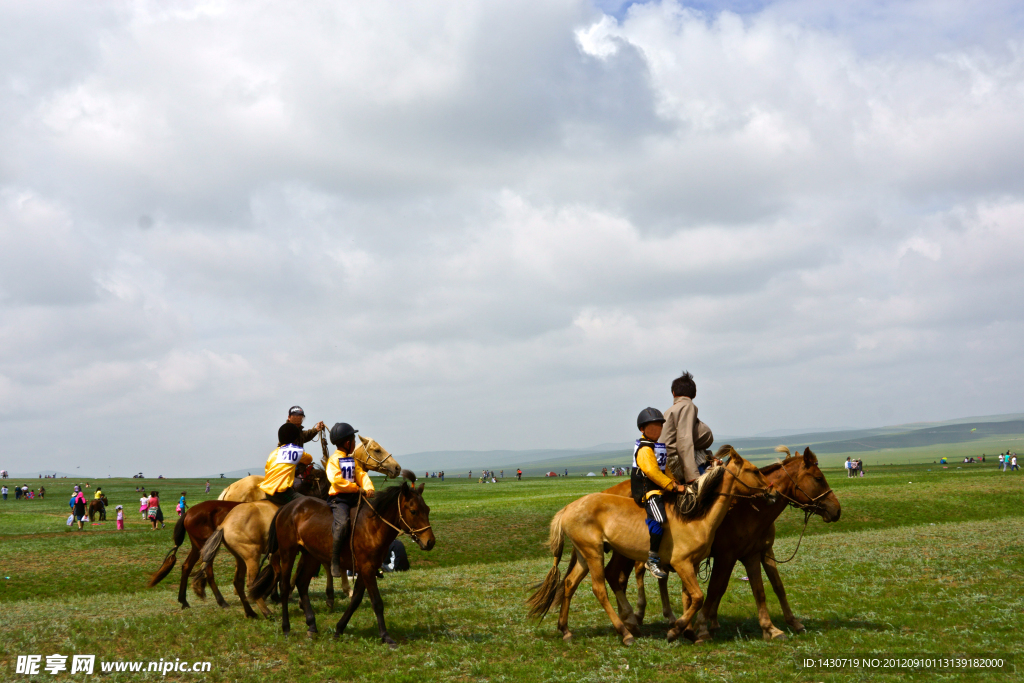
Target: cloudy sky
(490, 225)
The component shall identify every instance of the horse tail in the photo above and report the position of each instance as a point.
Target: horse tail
(548, 591)
(210, 549)
(172, 556)
(264, 583)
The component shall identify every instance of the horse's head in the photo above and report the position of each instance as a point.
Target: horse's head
(372, 456)
(807, 485)
(415, 513)
(747, 478)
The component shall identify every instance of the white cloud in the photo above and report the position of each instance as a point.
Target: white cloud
(446, 223)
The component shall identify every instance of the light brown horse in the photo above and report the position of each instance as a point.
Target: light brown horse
(244, 531)
(600, 518)
(747, 535)
(304, 527)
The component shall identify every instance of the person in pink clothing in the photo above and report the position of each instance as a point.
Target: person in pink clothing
(120, 517)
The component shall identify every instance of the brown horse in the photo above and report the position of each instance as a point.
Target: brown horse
(200, 522)
(601, 519)
(304, 526)
(98, 509)
(747, 535)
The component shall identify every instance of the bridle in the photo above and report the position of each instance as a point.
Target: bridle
(764, 490)
(809, 508)
(413, 533)
(812, 505)
(379, 462)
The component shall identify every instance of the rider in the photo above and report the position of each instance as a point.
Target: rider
(686, 438)
(296, 415)
(348, 480)
(281, 464)
(649, 481)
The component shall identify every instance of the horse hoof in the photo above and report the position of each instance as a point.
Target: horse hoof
(774, 635)
(798, 627)
(311, 634)
(627, 640)
(567, 637)
(390, 643)
(673, 633)
(185, 605)
(690, 635)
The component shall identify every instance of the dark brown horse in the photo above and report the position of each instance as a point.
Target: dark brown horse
(201, 521)
(98, 509)
(747, 535)
(304, 526)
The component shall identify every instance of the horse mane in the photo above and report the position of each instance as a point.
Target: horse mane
(386, 499)
(694, 506)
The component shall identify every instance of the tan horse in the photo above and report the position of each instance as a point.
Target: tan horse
(369, 453)
(245, 529)
(601, 519)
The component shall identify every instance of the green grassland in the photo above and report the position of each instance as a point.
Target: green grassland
(925, 559)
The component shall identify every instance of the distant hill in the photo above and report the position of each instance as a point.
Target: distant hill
(48, 473)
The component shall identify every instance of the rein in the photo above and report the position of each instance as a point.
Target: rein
(763, 489)
(809, 508)
(413, 533)
(377, 461)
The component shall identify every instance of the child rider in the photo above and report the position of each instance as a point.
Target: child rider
(649, 481)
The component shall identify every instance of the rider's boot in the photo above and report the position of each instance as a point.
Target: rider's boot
(340, 536)
(653, 565)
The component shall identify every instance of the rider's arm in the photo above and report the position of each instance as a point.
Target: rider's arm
(363, 478)
(648, 464)
(684, 440)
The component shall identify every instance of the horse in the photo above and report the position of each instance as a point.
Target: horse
(98, 506)
(601, 519)
(202, 520)
(244, 531)
(369, 453)
(747, 535)
(304, 526)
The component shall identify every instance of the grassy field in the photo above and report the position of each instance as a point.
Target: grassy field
(924, 560)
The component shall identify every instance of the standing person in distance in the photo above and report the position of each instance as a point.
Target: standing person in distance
(348, 480)
(649, 480)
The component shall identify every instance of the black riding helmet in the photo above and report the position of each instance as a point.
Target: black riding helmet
(289, 433)
(647, 416)
(342, 432)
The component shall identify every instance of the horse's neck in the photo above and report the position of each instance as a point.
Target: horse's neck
(784, 482)
(719, 508)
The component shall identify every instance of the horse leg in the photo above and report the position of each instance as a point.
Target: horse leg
(572, 581)
(252, 567)
(213, 585)
(302, 579)
(329, 591)
(772, 570)
(353, 604)
(239, 583)
(666, 605)
(617, 573)
(752, 563)
(641, 592)
(595, 561)
(693, 600)
(285, 564)
(707, 617)
(378, 608)
(186, 569)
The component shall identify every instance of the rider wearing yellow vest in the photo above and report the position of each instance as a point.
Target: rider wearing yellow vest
(281, 464)
(348, 479)
(649, 481)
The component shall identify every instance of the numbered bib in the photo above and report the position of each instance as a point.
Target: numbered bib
(660, 453)
(347, 466)
(289, 455)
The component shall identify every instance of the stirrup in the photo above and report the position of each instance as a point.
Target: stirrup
(655, 569)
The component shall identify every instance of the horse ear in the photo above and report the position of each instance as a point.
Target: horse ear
(809, 457)
(419, 489)
(363, 439)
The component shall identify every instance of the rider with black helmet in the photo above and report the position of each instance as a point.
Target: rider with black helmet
(348, 479)
(649, 481)
(281, 464)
